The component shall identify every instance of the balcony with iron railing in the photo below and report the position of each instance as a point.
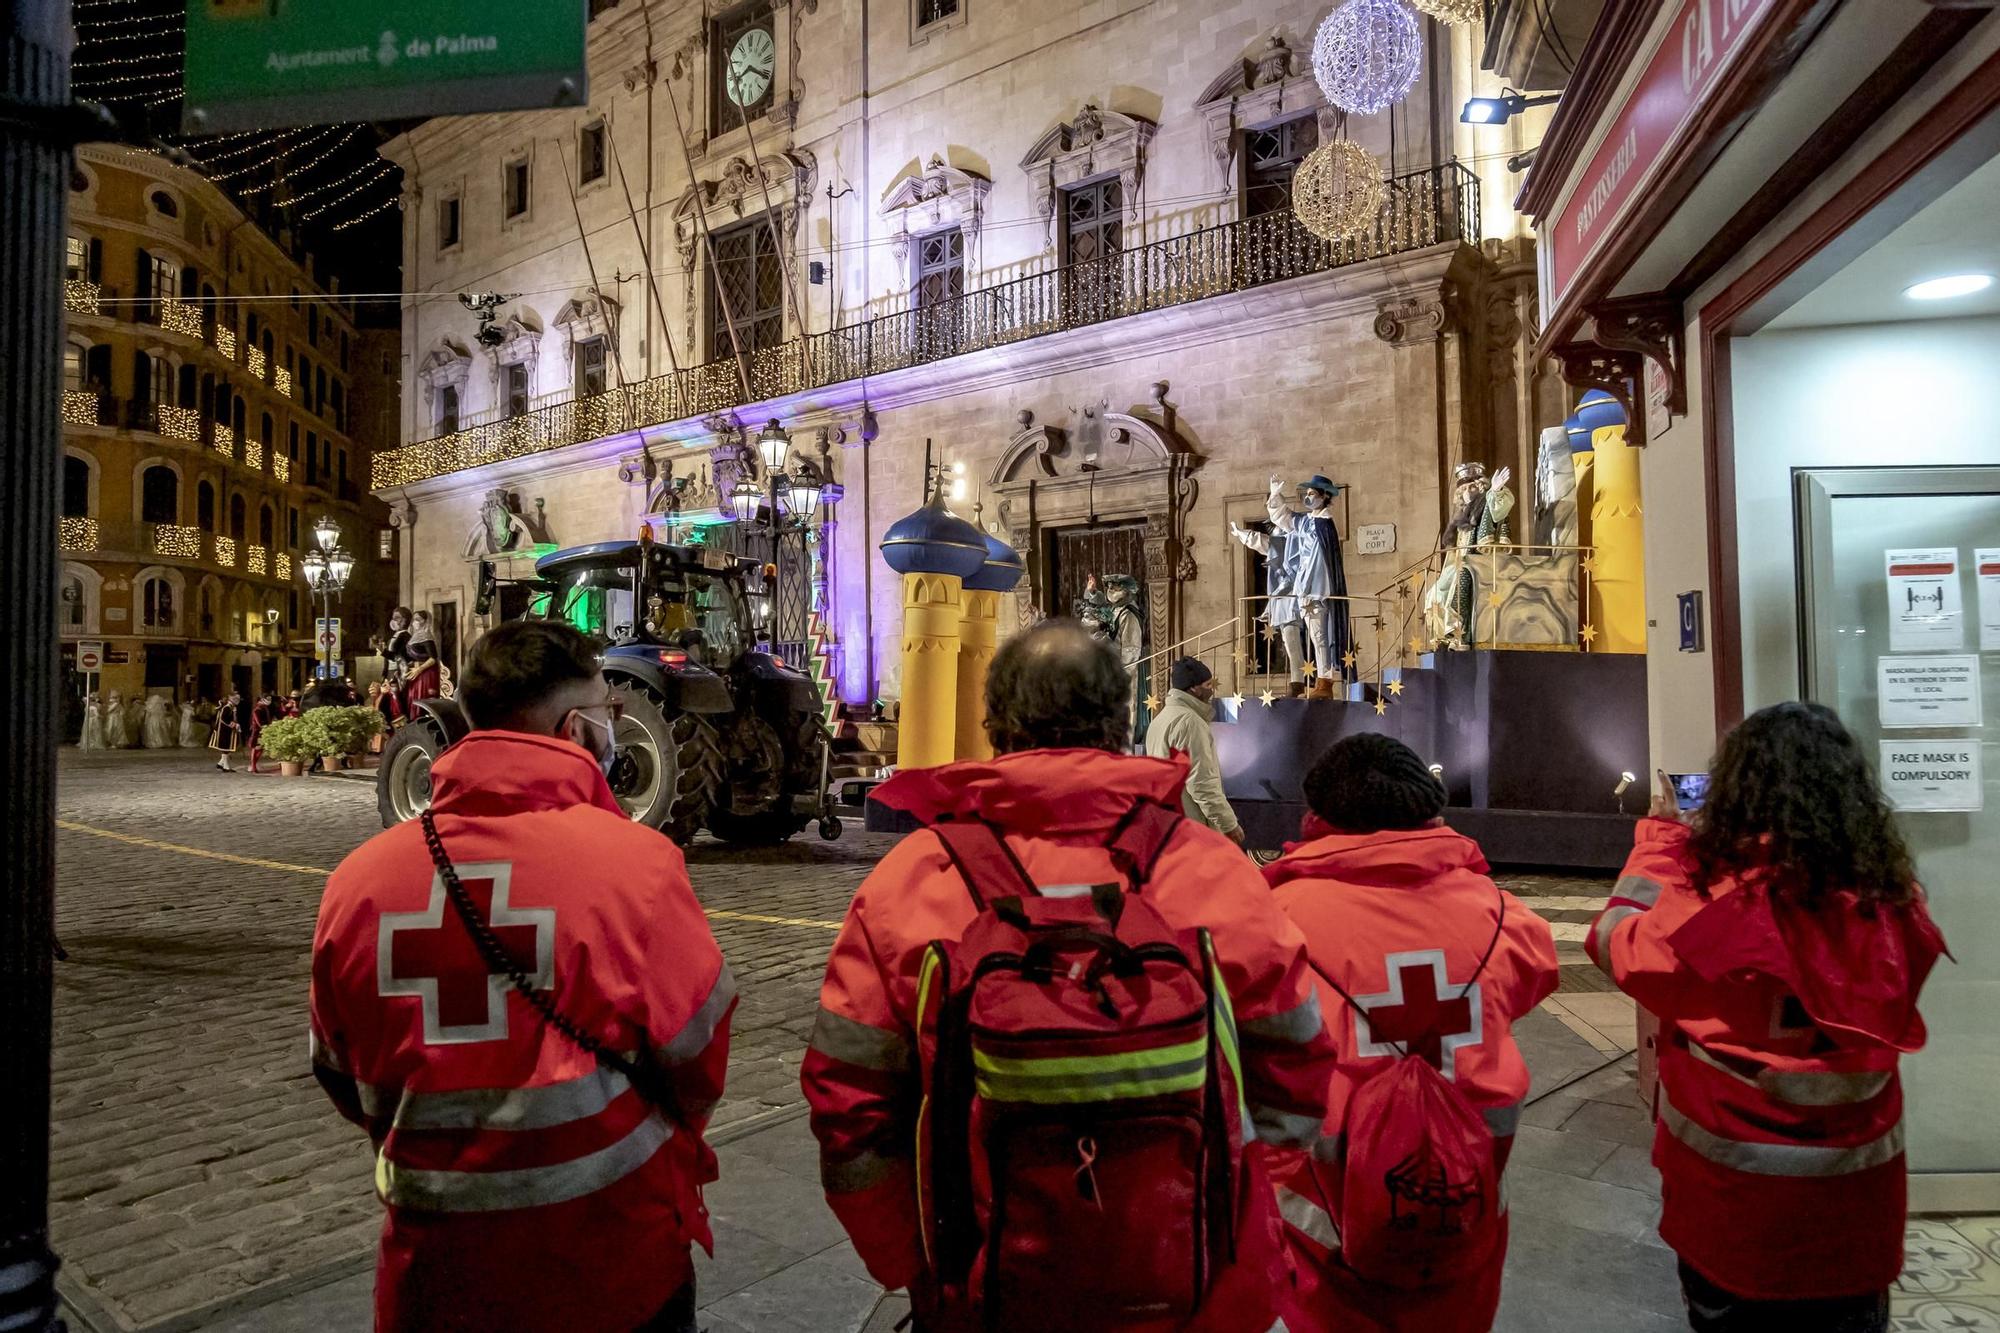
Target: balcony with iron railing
(1423, 209)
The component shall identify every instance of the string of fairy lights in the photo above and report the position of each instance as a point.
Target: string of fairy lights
(130, 54)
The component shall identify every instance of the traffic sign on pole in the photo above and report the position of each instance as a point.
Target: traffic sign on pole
(264, 64)
(90, 655)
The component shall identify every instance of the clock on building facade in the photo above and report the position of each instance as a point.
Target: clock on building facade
(744, 64)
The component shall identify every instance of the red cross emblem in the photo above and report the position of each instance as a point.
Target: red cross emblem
(1421, 1012)
(425, 955)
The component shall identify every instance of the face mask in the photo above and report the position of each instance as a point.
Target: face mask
(609, 757)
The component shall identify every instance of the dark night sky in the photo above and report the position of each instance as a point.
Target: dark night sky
(326, 183)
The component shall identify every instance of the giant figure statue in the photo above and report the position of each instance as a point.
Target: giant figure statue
(1555, 490)
(1479, 513)
(1318, 578)
(1282, 612)
(1123, 626)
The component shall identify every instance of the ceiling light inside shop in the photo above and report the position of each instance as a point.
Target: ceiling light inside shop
(1955, 284)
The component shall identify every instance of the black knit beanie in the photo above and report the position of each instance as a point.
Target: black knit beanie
(1188, 673)
(1368, 782)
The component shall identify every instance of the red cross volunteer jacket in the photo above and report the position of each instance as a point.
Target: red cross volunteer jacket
(527, 1187)
(1055, 809)
(1401, 919)
(1779, 1131)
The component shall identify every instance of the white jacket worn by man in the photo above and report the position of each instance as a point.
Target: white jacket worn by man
(1183, 725)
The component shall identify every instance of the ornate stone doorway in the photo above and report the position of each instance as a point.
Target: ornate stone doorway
(1074, 554)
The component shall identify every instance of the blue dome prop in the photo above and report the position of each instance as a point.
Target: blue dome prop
(1002, 570)
(1599, 410)
(933, 540)
(1579, 436)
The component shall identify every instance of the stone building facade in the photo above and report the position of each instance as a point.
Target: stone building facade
(1047, 245)
(211, 417)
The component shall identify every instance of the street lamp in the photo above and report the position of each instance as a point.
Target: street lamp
(326, 570)
(790, 498)
(774, 446)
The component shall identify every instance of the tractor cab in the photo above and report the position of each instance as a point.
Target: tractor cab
(645, 594)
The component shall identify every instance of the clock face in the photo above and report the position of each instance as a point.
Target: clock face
(752, 63)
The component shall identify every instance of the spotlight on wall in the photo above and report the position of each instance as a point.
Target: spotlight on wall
(1625, 781)
(1437, 771)
(1499, 110)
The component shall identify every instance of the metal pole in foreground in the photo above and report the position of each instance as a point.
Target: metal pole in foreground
(34, 170)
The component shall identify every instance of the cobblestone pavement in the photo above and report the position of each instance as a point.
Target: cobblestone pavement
(197, 1168)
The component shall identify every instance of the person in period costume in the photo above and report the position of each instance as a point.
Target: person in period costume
(228, 732)
(262, 714)
(155, 730)
(289, 706)
(396, 654)
(135, 722)
(1282, 612)
(1319, 579)
(189, 736)
(1479, 513)
(92, 737)
(425, 677)
(115, 735)
(1124, 628)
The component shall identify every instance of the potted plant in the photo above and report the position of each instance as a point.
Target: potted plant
(291, 742)
(344, 733)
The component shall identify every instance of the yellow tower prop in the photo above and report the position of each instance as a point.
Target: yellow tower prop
(936, 552)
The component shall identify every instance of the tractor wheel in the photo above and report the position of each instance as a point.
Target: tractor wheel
(665, 772)
(754, 777)
(403, 782)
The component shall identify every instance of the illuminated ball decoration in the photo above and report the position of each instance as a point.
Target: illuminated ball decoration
(1337, 191)
(1450, 11)
(1367, 54)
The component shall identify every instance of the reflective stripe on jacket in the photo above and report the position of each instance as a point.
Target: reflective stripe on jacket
(1779, 1117)
(1056, 808)
(527, 1185)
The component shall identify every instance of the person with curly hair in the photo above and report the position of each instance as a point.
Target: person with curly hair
(1780, 935)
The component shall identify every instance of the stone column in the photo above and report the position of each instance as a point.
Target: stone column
(926, 731)
(978, 640)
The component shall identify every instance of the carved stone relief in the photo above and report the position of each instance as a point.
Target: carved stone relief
(1096, 143)
(1251, 93)
(939, 196)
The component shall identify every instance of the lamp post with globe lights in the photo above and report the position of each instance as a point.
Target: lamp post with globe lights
(326, 568)
(788, 491)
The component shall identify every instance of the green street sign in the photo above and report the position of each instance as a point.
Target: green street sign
(264, 64)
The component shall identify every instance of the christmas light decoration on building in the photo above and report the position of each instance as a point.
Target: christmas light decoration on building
(1367, 54)
(1337, 191)
(281, 380)
(253, 560)
(225, 552)
(292, 169)
(253, 453)
(81, 297)
(386, 171)
(79, 407)
(180, 317)
(254, 362)
(225, 341)
(76, 535)
(284, 150)
(281, 466)
(283, 567)
(224, 442)
(1454, 12)
(180, 423)
(171, 539)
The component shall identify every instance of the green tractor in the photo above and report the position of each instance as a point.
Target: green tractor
(715, 734)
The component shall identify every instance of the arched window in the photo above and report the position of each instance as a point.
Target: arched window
(166, 204)
(267, 432)
(238, 519)
(267, 526)
(75, 609)
(187, 386)
(159, 495)
(204, 506)
(211, 593)
(156, 603)
(76, 487)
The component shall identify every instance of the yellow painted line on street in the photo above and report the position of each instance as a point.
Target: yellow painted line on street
(321, 872)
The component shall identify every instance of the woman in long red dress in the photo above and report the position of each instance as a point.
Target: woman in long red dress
(425, 678)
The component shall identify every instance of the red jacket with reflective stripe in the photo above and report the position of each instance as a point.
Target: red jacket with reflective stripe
(1780, 1115)
(1411, 913)
(1056, 809)
(527, 1187)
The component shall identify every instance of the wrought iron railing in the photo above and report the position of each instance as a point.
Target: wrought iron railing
(1422, 209)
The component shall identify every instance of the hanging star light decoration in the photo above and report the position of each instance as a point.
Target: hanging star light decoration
(1381, 706)
(1308, 669)
(1416, 644)
(1348, 659)
(1268, 698)
(1396, 688)
(1337, 192)
(1455, 13)
(1235, 701)
(1367, 54)
(1588, 634)
(1152, 703)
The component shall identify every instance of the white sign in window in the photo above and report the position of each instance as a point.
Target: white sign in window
(1986, 560)
(1926, 609)
(1932, 775)
(1928, 691)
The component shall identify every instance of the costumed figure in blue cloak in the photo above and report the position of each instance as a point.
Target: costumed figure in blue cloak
(1319, 580)
(1282, 612)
